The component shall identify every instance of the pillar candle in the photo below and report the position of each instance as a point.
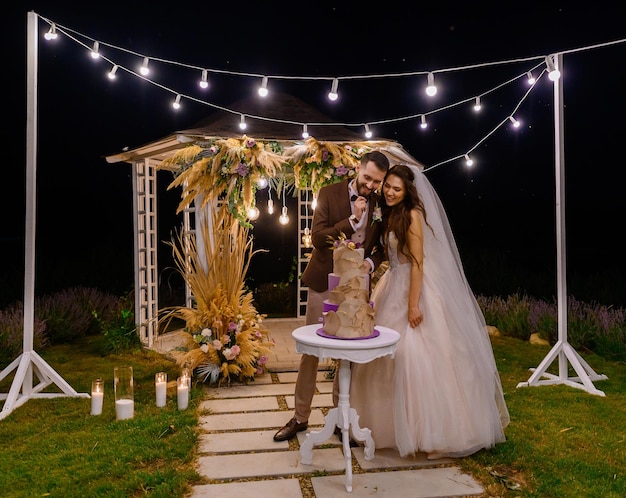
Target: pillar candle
(97, 396)
(160, 385)
(124, 408)
(183, 393)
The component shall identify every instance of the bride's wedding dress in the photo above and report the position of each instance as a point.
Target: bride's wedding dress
(441, 394)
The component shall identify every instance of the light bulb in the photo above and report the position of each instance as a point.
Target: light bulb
(423, 123)
(263, 88)
(144, 70)
(204, 82)
(468, 160)
(305, 131)
(52, 33)
(270, 206)
(95, 54)
(242, 123)
(368, 132)
(531, 79)
(477, 105)
(516, 123)
(262, 182)
(176, 103)
(253, 212)
(283, 218)
(306, 238)
(112, 72)
(431, 89)
(333, 95)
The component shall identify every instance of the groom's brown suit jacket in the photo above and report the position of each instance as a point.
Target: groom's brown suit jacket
(331, 218)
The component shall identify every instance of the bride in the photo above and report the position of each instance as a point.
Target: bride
(441, 394)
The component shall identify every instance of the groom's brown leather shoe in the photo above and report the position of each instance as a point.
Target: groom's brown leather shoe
(290, 430)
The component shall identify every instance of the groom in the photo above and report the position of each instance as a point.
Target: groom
(344, 207)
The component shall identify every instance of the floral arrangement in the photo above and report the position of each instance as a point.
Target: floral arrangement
(226, 168)
(227, 340)
(316, 164)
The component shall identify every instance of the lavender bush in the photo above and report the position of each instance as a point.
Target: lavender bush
(12, 332)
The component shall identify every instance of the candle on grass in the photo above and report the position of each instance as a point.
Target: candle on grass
(97, 396)
(160, 386)
(182, 386)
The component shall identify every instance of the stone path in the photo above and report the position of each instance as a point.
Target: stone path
(238, 455)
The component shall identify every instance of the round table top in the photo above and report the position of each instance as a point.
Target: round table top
(355, 350)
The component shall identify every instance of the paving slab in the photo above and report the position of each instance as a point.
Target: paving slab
(276, 463)
(425, 483)
(260, 420)
(230, 442)
(288, 488)
(230, 405)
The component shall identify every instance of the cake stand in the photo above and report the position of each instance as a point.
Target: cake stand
(347, 351)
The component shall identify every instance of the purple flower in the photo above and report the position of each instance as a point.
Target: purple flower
(341, 170)
(324, 155)
(232, 326)
(242, 169)
(250, 143)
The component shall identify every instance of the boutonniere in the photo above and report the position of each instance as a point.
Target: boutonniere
(377, 215)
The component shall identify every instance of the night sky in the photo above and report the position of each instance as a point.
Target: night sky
(505, 202)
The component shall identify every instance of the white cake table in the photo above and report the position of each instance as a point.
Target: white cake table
(344, 417)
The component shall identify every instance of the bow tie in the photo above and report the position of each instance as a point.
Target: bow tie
(355, 197)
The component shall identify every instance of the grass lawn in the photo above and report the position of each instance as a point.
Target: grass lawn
(562, 441)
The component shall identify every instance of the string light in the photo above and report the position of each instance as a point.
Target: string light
(176, 103)
(368, 132)
(431, 88)
(333, 95)
(314, 202)
(548, 60)
(112, 72)
(531, 79)
(262, 182)
(553, 73)
(242, 123)
(263, 88)
(468, 160)
(477, 105)
(95, 51)
(204, 82)
(516, 123)
(305, 131)
(52, 33)
(423, 123)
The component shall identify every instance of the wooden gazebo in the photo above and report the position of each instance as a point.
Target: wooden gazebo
(276, 120)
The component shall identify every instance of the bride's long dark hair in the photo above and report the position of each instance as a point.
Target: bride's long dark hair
(397, 219)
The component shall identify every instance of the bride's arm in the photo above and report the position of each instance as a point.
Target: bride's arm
(416, 246)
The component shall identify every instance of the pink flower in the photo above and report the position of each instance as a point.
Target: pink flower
(262, 360)
(236, 350)
(228, 354)
(232, 326)
(217, 345)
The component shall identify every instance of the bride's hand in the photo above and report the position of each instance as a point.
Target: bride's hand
(415, 316)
